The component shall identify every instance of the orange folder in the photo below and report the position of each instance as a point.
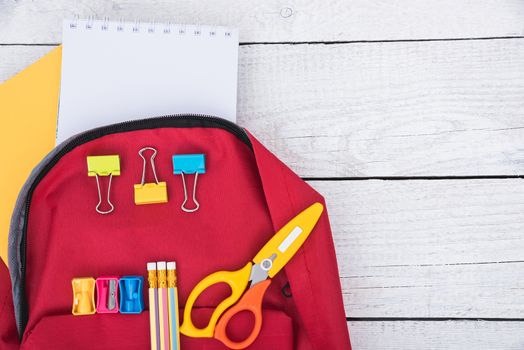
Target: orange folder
(28, 108)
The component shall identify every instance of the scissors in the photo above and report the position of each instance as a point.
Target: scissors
(257, 273)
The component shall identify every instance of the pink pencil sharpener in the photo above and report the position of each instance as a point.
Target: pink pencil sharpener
(107, 295)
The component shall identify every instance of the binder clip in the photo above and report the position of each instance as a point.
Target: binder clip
(150, 193)
(189, 164)
(103, 166)
(83, 296)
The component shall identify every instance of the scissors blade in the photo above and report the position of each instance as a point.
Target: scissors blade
(285, 243)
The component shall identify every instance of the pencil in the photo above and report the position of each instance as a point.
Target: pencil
(174, 335)
(163, 313)
(153, 306)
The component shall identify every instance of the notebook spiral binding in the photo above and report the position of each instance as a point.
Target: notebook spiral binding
(152, 27)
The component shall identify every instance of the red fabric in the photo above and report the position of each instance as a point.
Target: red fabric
(8, 334)
(243, 199)
(313, 272)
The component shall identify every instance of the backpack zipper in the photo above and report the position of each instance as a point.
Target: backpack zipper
(166, 121)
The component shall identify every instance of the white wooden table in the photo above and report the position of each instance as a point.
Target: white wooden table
(407, 115)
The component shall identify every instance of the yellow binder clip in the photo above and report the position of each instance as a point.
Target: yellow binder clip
(152, 192)
(103, 166)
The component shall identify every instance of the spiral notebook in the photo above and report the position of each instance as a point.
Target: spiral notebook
(119, 71)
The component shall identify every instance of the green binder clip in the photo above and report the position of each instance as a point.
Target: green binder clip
(103, 166)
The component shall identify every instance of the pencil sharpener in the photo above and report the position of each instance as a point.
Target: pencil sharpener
(131, 294)
(83, 296)
(107, 295)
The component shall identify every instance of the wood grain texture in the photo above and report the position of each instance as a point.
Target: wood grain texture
(449, 335)
(422, 108)
(14, 59)
(380, 109)
(418, 108)
(39, 21)
(429, 248)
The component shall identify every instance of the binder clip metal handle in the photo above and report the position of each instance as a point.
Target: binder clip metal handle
(152, 160)
(197, 205)
(184, 164)
(149, 193)
(111, 206)
(103, 166)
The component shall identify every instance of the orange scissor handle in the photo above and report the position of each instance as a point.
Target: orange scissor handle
(252, 302)
(237, 281)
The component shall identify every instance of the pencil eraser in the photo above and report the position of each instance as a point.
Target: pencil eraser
(161, 265)
(151, 266)
(171, 265)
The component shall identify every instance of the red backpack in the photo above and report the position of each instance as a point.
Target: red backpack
(245, 196)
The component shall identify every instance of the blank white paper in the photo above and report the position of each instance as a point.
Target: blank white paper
(119, 71)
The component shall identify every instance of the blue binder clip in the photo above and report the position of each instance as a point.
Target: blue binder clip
(189, 164)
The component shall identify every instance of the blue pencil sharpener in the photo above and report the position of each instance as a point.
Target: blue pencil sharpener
(131, 296)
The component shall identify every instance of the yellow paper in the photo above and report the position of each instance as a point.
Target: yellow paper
(28, 110)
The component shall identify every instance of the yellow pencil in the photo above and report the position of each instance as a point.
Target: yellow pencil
(153, 306)
(174, 334)
(163, 313)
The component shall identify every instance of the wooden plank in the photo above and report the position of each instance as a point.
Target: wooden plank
(13, 59)
(32, 22)
(449, 335)
(429, 248)
(419, 108)
(380, 109)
